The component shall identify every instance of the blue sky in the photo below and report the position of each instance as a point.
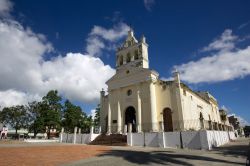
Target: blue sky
(207, 41)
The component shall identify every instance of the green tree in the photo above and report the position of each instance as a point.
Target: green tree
(16, 116)
(97, 115)
(51, 111)
(87, 123)
(223, 115)
(36, 120)
(73, 116)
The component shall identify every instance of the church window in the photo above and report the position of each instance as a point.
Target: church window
(136, 55)
(128, 58)
(129, 92)
(121, 60)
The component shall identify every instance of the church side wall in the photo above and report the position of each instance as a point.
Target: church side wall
(192, 106)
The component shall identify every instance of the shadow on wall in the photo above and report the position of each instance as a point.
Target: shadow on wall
(161, 157)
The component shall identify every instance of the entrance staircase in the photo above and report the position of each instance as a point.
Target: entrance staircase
(110, 140)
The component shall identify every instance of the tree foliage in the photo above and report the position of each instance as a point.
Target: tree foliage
(51, 111)
(40, 117)
(223, 115)
(36, 120)
(73, 116)
(97, 115)
(16, 116)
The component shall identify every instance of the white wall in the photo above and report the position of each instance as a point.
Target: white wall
(191, 139)
(202, 139)
(80, 138)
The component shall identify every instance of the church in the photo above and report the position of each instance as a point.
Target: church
(137, 100)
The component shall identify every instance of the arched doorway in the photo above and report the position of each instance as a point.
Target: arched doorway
(167, 119)
(130, 117)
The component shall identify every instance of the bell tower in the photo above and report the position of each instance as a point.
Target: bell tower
(132, 53)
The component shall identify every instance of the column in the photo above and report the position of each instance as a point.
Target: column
(153, 108)
(109, 119)
(119, 122)
(61, 134)
(74, 138)
(138, 112)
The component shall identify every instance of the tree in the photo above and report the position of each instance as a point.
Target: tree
(51, 111)
(73, 116)
(97, 115)
(87, 123)
(36, 120)
(223, 115)
(16, 116)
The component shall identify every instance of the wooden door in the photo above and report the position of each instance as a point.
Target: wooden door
(167, 119)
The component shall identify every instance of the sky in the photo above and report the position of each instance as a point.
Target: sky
(70, 46)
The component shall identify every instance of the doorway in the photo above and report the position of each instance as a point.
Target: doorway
(167, 120)
(130, 117)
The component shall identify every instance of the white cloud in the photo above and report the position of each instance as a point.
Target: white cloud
(79, 77)
(225, 108)
(101, 38)
(26, 76)
(226, 42)
(92, 113)
(244, 25)
(5, 7)
(242, 121)
(227, 63)
(149, 4)
(12, 97)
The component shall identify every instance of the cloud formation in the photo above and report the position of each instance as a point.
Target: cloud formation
(101, 38)
(5, 7)
(148, 4)
(224, 62)
(27, 76)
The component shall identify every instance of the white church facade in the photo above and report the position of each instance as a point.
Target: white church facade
(137, 100)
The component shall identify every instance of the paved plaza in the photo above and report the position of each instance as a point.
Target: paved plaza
(233, 153)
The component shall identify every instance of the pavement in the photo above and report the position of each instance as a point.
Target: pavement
(18, 153)
(233, 154)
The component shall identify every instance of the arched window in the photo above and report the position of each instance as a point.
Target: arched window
(129, 92)
(121, 60)
(201, 116)
(128, 58)
(136, 55)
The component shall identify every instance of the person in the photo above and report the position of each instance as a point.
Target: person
(4, 132)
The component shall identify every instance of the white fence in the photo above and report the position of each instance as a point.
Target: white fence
(77, 138)
(202, 139)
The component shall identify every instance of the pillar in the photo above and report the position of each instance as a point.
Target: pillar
(109, 119)
(91, 129)
(119, 119)
(130, 127)
(154, 126)
(100, 129)
(125, 129)
(138, 112)
(61, 134)
(74, 138)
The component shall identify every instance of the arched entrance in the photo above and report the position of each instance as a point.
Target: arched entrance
(130, 117)
(167, 119)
